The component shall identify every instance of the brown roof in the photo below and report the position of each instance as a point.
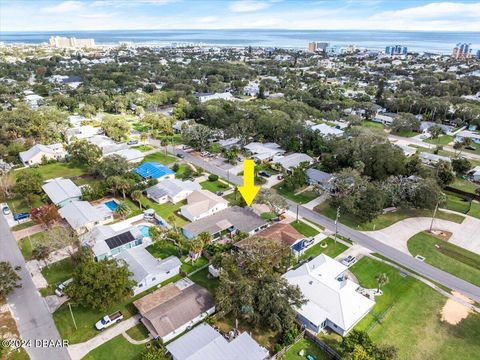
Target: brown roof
(284, 233)
(169, 307)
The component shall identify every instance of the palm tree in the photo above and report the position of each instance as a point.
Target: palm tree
(136, 195)
(196, 246)
(171, 219)
(143, 137)
(123, 185)
(205, 237)
(123, 210)
(382, 279)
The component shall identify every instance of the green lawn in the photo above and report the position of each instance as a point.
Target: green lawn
(181, 170)
(56, 169)
(406, 133)
(372, 125)
(29, 243)
(57, 273)
(464, 185)
(448, 257)
(164, 249)
(304, 229)
(333, 249)
(160, 157)
(302, 198)
(118, 348)
(456, 203)
(166, 211)
(235, 199)
(19, 205)
(384, 220)
(138, 332)
(22, 226)
(214, 186)
(308, 347)
(269, 215)
(410, 318)
(441, 140)
(143, 148)
(203, 278)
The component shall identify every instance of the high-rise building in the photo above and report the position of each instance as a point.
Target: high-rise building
(461, 51)
(322, 46)
(312, 47)
(64, 42)
(478, 54)
(396, 50)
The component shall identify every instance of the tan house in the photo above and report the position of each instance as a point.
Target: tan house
(172, 309)
(202, 203)
(39, 153)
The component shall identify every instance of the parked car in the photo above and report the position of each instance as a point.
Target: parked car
(264, 174)
(181, 156)
(470, 147)
(132, 142)
(349, 260)
(5, 209)
(20, 216)
(61, 287)
(109, 320)
(280, 177)
(219, 193)
(308, 241)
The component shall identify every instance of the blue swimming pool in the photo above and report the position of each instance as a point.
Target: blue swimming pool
(145, 230)
(112, 205)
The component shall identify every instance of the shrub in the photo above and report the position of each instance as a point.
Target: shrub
(212, 177)
(175, 167)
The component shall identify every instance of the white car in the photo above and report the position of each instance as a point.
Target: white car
(61, 287)
(349, 260)
(5, 209)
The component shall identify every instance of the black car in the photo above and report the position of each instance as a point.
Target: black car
(181, 156)
(264, 174)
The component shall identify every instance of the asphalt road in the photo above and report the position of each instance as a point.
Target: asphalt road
(34, 321)
(428, 271)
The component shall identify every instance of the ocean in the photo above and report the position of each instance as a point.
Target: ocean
(420, 41)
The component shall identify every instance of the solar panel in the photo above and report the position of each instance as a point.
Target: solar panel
(119, 240)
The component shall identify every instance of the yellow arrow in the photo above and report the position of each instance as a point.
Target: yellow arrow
(248, 190)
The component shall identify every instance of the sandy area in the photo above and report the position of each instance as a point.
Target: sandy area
(453, 312)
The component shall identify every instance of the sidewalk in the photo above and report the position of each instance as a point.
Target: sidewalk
(78, 351)
(32, 230)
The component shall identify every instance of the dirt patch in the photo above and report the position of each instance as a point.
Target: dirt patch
(441, 234)
(453, 312)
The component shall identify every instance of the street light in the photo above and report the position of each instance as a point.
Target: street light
(336, 223)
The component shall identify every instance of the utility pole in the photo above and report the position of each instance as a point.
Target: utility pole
(336, 223)
(297, 212)
(73, 318)
(434, 214)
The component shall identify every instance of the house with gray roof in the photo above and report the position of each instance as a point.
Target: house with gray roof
(263, 152)
(321, 178)
(38, 153)
(147, 270)
(62, 191)
(171, 190)
(226, 223)
(201, 204)
(433, 159)
(82, 216)
(326, 130)
(204, 342)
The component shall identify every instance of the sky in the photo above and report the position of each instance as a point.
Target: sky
(425, 15)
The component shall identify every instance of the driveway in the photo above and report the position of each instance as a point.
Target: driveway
(465, 235)
(78, 351)
(31, 313)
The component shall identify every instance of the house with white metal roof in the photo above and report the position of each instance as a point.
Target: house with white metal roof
(171, 190)
(148, 271)
(38, 153)
(82, 216)
(292, 161)
(332, 299)
(263, 152)
(62, 191)
(204, 342)
(326, 130)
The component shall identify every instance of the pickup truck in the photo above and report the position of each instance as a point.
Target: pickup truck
(109, 320)
(61, 287)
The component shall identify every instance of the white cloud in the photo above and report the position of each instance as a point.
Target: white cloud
(64, 7)
(248, 6)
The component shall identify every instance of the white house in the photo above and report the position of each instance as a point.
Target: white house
(432, 159)
(475, 173)
(263, 152)
(385, 118)
(326, 130)
(37, 153)
(407, 150)
(147, 270)
(202, 203)
(332, 300)
(204, 97)
(82, 216)
(62, 191)
(171, 190)
(81, 132)
(204, 342)
(290, 162)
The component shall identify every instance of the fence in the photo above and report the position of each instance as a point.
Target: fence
(465, 194)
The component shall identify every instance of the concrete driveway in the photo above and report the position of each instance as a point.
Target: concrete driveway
(465, 235)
